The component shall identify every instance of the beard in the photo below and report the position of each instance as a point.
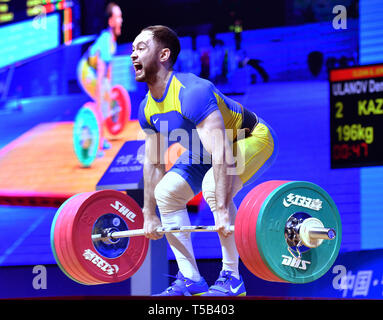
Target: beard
(148, 73)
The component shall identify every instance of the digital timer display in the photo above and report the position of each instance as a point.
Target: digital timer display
(356, 116)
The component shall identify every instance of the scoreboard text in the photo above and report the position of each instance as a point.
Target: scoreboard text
(356, 111)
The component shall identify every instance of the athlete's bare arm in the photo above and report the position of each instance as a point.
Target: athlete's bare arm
(154, 170)
(215, 140)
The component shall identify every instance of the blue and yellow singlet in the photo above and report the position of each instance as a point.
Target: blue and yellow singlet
(187, 101)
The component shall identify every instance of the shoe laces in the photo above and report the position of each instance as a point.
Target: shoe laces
(224, 277)
(179, 282)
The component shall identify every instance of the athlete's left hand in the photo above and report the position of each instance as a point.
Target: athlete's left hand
(223, 223)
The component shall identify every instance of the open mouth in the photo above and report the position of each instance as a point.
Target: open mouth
(138, 68)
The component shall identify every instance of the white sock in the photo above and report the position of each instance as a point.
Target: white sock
(229, 249)
(181, 244)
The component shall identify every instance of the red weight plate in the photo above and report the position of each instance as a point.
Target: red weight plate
(68, 249)
(257, 208)
(68, 268)
(98, 114)
(61, 243)
(251, 243)
(102, 268)
(241, 223)
(249, 239)
(54, 244)
(116, 124)
(66, 246)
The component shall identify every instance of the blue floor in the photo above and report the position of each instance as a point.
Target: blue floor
(25, 235)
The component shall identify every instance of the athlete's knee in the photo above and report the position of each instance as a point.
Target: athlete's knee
(172, 193)
(163, 194)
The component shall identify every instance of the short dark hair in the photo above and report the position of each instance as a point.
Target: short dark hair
(109, 11)
(167, 38)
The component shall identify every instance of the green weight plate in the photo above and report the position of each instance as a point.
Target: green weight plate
(282, 202)
(86, 136)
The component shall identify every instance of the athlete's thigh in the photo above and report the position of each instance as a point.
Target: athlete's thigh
(192, 172)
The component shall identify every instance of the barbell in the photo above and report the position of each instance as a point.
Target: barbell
(285, 231)
(311, 233)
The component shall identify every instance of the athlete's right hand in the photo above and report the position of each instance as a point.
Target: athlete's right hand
(151, 224)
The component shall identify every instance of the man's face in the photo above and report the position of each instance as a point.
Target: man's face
(115, 21)
(145, 57)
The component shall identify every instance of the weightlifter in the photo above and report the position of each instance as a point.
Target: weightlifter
(227, 146)
(94, 72)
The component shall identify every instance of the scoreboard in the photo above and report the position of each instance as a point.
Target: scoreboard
(17, 10)
(12, 11)
(356, 116)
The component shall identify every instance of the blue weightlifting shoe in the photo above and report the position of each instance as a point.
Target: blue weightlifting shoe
(226, 285)
(185, 287)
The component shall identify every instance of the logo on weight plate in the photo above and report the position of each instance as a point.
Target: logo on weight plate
(117, 205)
(295, 263)
(99, 262)
(302, 201)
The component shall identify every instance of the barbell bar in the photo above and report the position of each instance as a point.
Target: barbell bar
(108, 234)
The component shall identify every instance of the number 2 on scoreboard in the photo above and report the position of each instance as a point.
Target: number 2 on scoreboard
(339, 110)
